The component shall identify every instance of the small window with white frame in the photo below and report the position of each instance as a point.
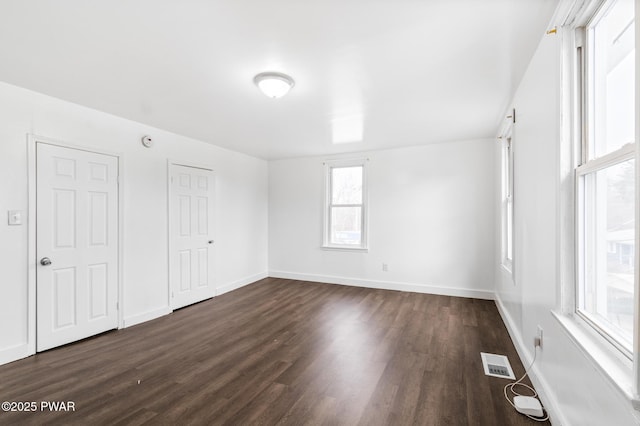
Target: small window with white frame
(507, 199)
(345, 205)
(605, 175)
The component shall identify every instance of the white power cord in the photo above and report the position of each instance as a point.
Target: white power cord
(511, 387)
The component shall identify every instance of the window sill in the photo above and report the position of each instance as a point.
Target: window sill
(611, 363)
(341, 248)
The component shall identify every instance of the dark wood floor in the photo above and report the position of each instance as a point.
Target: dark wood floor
(281, 352)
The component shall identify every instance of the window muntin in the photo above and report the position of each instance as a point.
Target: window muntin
(345, 207)
(605, 190)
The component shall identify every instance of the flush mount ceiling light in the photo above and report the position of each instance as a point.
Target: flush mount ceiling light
(274, 84)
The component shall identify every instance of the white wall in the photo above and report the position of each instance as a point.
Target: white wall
(430, 219)
(241, 205)
(577, 393)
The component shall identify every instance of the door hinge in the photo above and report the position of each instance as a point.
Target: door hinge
(117, 306)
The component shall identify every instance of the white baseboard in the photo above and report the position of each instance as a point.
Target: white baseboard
(146, 316)
(225, 288)
(14, 353)
(386, 285)
(545, 392)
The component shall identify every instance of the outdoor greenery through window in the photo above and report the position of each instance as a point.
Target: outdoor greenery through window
(345, 206)
(606, 199)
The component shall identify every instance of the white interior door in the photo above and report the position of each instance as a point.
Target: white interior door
(76, 244)
(191, 254)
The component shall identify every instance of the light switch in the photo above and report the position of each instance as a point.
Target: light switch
(15, 217)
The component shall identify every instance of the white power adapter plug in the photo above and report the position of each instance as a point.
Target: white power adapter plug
(528, 405)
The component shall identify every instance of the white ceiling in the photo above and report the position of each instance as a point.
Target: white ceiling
(390, 73)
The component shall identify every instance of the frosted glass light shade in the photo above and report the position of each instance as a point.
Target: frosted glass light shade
(274, 84)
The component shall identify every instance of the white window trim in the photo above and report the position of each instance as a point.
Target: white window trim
(326, 240)
(507, 167)
(506, 148)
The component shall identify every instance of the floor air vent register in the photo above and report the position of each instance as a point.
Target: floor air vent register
(497, 366)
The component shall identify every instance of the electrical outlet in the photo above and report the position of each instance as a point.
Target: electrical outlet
(385, 267)
(538, 338)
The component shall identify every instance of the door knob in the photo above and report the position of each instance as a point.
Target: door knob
(210, 241)
(45, 261)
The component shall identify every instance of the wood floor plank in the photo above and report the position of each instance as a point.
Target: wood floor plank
(281, 352)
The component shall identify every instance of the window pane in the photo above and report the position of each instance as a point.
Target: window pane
(608, 223)
(346, 225)
(346, 185)
(614, 79)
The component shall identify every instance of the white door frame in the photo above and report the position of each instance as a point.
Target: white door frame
(174, 162)
(32, 141)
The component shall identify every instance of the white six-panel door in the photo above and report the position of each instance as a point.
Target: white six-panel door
(191, 254)
(76, 244)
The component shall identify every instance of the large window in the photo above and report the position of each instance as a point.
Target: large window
(605, 177)
(345, 205)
